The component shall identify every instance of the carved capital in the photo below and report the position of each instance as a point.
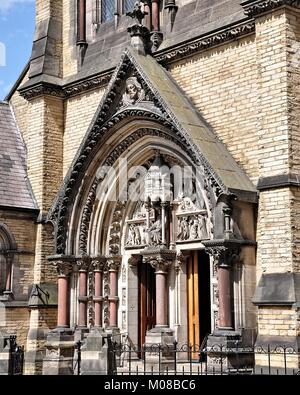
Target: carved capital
(98, 263)
(134, 260)
(114, 263)
(225, 254)
(181, 259)
(160, 265)
(83, 264)
(64, 269)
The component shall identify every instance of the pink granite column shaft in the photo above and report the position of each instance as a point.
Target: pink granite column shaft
(155, 15)
(98, 298)
(224, 285)
(82, 322)
(63, 301)
(148, 16)
(113, 296)
(161, 319)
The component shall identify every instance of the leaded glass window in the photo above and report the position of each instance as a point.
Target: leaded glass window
(128, 5)
(107, 10)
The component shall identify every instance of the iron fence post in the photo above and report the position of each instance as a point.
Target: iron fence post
(175, 356)
(269, 358)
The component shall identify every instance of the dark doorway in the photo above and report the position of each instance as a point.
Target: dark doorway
(147, 306)
(199, 303)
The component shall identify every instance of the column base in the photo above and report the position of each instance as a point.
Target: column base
(60, 347)
(226, 352)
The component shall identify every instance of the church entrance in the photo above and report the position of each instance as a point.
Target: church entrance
(199, 304)
(147, 301)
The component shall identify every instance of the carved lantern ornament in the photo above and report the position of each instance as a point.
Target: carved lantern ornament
(158, 185)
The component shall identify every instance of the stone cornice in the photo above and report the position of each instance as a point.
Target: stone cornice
(165, 57)
(205, 42)
(254, 8)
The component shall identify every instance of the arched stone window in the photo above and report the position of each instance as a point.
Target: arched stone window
(7, 250)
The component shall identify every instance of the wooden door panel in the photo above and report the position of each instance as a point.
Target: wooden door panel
(193, 301)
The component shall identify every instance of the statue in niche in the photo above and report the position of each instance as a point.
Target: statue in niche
(155, 232)
(137, 236)
(194, 231)
(202, 227)
(184, 230)
(134, 92)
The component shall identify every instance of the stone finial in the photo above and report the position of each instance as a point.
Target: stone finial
(137, 13)
(140, 35)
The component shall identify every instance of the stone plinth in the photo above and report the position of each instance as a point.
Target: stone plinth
(225, 352)
(59, 357)
(96, 359)
(159, 346)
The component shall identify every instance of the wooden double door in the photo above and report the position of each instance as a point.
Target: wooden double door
(147, 301)
(198, 298)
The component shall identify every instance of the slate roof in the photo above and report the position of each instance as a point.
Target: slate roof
(15, 189)
(214, 151)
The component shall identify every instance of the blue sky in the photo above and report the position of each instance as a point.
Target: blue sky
(17, 18)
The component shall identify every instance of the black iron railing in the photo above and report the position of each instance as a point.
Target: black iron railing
(16, 357)
(186, 359)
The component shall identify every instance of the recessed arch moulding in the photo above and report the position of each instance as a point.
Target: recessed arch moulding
(144, 120)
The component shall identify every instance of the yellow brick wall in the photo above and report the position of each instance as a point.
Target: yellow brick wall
(222, 83)
(79, 111)
(274, 233)
(17, 323)
(278, 321)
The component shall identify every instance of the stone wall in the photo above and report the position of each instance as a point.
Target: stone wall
(79, 112)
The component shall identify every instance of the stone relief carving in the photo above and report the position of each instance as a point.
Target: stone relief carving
(134, 92)
(192, 228)
(124, 297)
(191, 220)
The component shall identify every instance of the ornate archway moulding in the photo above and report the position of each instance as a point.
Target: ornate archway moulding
(151, 94)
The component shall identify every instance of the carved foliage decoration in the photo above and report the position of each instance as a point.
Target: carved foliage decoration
(115, 230)
(257, 7)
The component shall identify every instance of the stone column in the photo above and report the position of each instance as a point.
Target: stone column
(98, 265)
(155, 15)
(83, 266)
(225, 297)
(113, 267)
(147, 10)
(161, 270)
(64, 270)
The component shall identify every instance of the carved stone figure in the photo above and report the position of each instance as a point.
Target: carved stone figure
(184, 231)
(194, 229)
(134, 92)
(202, 232)
(155, 232)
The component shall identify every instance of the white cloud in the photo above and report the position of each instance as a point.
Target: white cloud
(6, 5)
